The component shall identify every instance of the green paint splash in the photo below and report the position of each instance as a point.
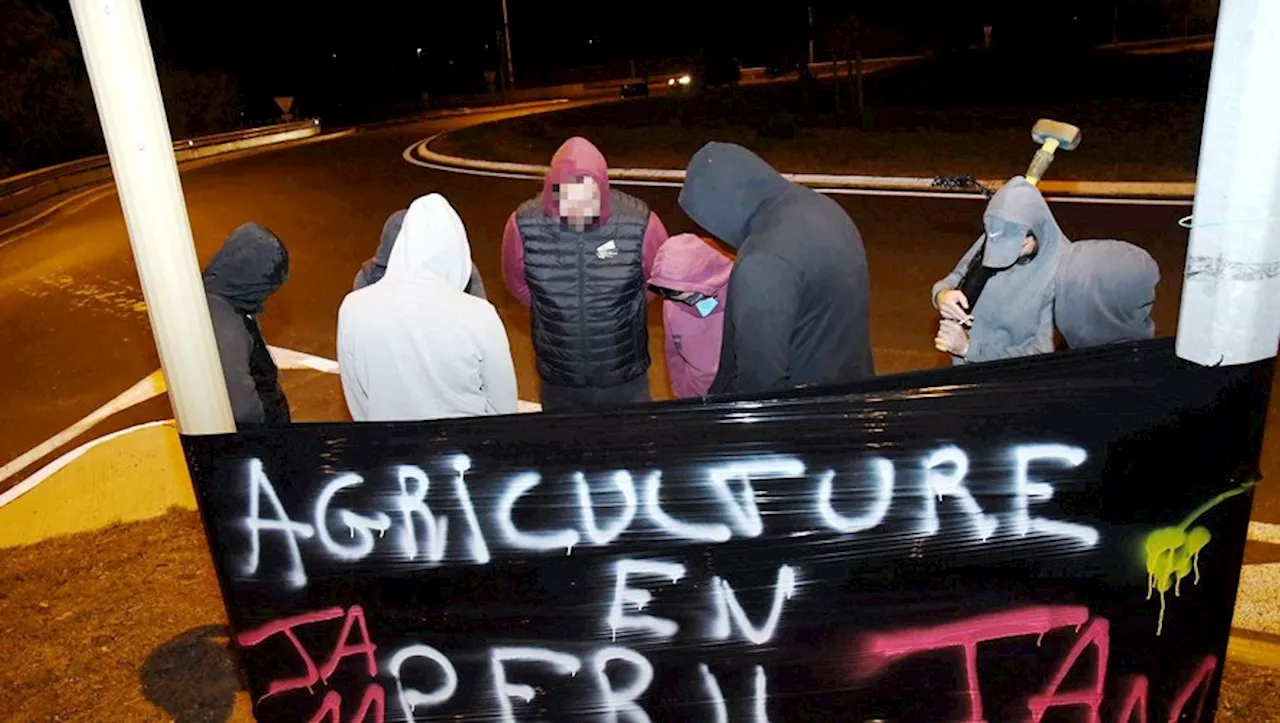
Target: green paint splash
(1173, 553)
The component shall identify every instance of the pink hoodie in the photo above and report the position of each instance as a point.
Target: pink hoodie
(576, 157)
(687, 263)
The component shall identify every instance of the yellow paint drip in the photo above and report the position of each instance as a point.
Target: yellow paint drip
(1173, 553)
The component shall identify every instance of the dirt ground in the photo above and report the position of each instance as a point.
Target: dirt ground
(93, 625)
(125, 624)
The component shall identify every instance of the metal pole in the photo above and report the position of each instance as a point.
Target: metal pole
(506, 32)
(1231, 294)
(811, 59)
(113, 36)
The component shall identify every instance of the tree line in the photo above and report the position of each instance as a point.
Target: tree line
(47, 112)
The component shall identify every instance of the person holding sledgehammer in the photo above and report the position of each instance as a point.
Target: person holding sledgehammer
(1018, 254)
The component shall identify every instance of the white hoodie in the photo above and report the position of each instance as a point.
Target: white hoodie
(415, 345)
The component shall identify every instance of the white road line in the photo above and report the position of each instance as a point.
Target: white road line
(153, 386)
(150, 386)
(48, 470)
(410, 155)
(290, 359)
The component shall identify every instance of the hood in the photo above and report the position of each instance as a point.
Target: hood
(1016, 209)
(249, 267)
(576, 157)
(687, 263)
(377, 265)
(1104, 293)
(724, 186)
(432, 241)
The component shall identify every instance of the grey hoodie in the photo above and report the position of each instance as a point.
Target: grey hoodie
(373, 269)
(1014, 315)
(1105, 292)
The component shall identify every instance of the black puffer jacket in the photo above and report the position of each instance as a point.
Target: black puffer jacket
(250, 266)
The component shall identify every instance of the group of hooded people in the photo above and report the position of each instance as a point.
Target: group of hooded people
(779, 300)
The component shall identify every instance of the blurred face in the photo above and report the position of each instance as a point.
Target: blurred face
(579, 202)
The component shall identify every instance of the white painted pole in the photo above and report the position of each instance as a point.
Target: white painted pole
(1231, 295)
(113, 36)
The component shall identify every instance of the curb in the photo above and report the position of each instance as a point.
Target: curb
(1182, 191)
(134, 474)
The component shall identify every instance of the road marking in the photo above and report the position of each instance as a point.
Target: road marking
(291, 359)
(153, 386)
(150, 386)
(48, 470)
(410, 155)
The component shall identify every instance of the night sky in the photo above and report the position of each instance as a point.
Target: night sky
(371, 48)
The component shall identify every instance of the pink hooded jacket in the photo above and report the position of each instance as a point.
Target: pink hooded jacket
(576, 157)
(687, 263)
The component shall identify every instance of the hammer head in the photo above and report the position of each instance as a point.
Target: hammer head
(1068, 136)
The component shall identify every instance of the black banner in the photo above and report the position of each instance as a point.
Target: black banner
(1049, 539)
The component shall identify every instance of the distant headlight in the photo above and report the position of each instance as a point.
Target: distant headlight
(685, 80)
(671, 81)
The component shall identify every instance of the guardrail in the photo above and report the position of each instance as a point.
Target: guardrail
(27, 189)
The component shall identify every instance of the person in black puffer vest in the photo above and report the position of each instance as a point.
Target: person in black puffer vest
(579, 255)
(250, 266)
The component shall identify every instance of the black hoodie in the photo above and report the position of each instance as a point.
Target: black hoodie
(250, 266)
(798, 308)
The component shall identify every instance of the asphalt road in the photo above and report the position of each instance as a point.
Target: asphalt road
(74, 328)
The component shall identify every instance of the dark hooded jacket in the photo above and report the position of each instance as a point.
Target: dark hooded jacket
(798, 307)
(250, 266)
(1105, 291)
(373, 269)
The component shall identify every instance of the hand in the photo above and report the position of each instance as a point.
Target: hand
(952, 338)
(953, 305)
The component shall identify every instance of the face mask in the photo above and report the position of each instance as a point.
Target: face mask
(706, 306)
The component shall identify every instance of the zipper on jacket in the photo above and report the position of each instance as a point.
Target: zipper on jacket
(582, 308)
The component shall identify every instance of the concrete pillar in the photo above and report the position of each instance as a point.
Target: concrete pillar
(1231, 296)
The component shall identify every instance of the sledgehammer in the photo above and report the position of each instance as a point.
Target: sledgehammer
(1051, 135)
